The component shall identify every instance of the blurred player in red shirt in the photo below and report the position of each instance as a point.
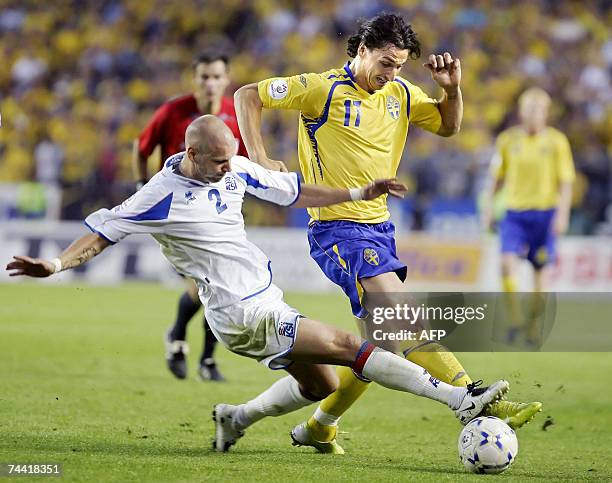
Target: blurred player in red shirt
(167, 129)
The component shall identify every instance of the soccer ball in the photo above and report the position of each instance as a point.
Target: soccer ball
(487, 445)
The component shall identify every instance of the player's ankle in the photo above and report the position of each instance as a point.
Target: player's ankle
(456, 396)
(321, 432)
(325, 419)
(240, 421)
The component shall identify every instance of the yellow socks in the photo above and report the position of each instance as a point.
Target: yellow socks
(440, 363)
(323, 423)
(535, 322)
(513, 304)
(509, 284)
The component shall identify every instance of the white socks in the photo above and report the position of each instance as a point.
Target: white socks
(395, 372)
(383, 367)
(280, 398)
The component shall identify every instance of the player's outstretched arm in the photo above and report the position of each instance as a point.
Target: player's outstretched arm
(312, 196)
(248, 112)
(79, 252)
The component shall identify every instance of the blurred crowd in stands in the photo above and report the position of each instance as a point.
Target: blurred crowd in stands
(82, 77)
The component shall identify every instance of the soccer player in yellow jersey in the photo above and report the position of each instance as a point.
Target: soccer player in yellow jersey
(533, 162)
(352, 130)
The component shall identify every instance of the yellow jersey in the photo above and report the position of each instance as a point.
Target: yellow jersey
(532, 166)
(348, 137)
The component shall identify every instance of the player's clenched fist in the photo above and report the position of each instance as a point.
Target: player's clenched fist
(445, 71)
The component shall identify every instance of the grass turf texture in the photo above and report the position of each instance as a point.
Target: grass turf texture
(83, 383)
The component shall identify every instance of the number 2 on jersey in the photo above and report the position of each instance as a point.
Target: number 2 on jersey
(214, 193)
(347, 112)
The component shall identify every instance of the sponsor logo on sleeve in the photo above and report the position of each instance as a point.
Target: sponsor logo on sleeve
(278, 89)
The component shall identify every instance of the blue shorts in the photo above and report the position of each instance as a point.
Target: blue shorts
(347, 251)
(529, 234)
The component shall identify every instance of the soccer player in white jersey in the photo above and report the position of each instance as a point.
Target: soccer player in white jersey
(192, 207)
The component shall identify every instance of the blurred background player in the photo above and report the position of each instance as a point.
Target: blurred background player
(166, 129)
(354, 123)
(533, 163)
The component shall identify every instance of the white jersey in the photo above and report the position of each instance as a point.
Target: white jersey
(200, 226)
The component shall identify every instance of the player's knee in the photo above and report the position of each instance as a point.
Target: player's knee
(327, 386)
(192, 291)
(318, 389)
(346, 345)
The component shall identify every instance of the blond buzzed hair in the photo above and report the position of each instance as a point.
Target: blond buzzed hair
(534, 94)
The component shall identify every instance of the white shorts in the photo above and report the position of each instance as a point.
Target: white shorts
(263, 327)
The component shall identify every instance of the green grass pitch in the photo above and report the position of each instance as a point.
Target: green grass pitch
(83, 383)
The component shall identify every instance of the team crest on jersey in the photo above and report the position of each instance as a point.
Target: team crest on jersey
(370, 256)
(287, 329)
(393, 106)
(230, 183)
(189, 196)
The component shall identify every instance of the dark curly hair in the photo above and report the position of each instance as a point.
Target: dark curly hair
(385, 28)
